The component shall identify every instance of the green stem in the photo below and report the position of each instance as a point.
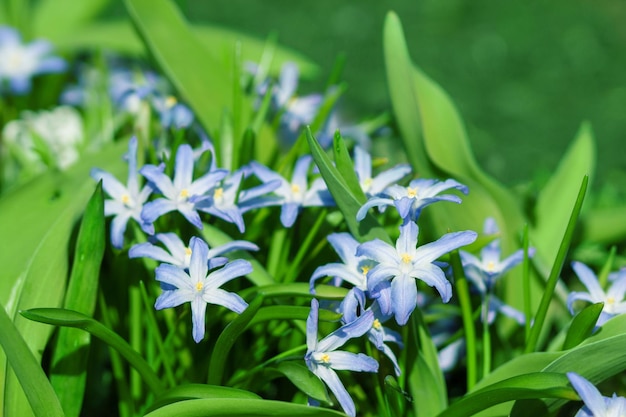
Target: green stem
(526, 283)
(136, 336)
(249, 373)
(486, 337)
(462, 289)
(296, 264)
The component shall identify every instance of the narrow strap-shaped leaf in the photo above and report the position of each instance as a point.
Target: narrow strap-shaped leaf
(68, 376)
(227, 338)
(35, 384)
(291, 313)
(69, 318)
(542, 312)
(196, 391)
(304, 380)
(346, 167)
(368, 228)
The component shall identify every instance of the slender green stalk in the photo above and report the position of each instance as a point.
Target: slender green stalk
(542, 311)
(462, 289)
(526, 283)
(303, 250)
(486, 336)
(152, 323)
(378, 389)
(237, 379)
(136, 336)
(603, 277)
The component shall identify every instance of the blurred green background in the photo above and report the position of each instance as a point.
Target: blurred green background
(524, 74)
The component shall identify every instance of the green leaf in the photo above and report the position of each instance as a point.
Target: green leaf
(582, 325)
(69, 318)
(54, 19)
(197, 75)
(531, 385)
(196, 391)
(291, 313)
(69, 361)
(558, 195)
(240, 408)
(304, 380)
(368, 228)
(298, 289)
(41, 397)
(346, 167)
(227, 338)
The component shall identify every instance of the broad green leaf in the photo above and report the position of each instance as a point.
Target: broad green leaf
(304, 380)
(582, 325)
(558, 196)
(41, 397)
(196, 391)
(69, 361)
(69, 318)
(346, 167)
(197, 75)
(42, 213)
(531, 385)
(366, 229)
(227, 338)
(239, 407)
(54, 19)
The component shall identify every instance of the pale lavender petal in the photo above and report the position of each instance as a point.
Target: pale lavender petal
(118, 227)
(148, 250)
(404, 293)
(434, 277)
(403, 205)
(348, 331)
(226, 299)
(198, 312)
(311, 326)
(408, 238)
(348, 361)
(575, 296)
(345, 245)
(206, 182)
(230, 271)
(333, 382)
(173, 275)
(162, 182)
(362, 163)
(300, 171)
(589, 279)
(372, 202)
(192, 216)
(289, 213)
(110, 184)
(198, 263)
(232, 246)
(448, 242)
(174, 244)
(378, 251)
(173, 298)
(379, 274)
(183, 171)
(588, 393)
(155, 209)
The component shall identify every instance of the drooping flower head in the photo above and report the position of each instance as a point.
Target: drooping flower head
(127, 201)
(405, 263)
(322, 357)
(199, 286)
(19, 62)
(596, 405)
(613, 299)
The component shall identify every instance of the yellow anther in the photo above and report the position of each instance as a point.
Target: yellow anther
(125, 199)
(411, 192)
(184, 193)
(491, 266)
(170, 101)
(376, 325)
(367, 182)
(187, 251)
(365, 269)
(218, 193)
(295, 188)
(610, 300)
(325, 358)
(199, 286)
(406, 258)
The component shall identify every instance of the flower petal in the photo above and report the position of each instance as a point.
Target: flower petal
(588, 393)
(349, 361)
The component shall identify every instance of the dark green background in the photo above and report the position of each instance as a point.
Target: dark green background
(524, 74)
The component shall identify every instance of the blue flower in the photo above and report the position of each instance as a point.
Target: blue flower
(294, 195)
(227, 202)
(613, 300)
(596, 405)
(376, 185)
(405, 263)
(333, 123)
(180, 193)
(19, 63)
(323, 358)
(126, 201)
(377, 334)
(172, 113)
(178, 254)
(409, 201)
(484, 272)
(128, 89)
(200, 287)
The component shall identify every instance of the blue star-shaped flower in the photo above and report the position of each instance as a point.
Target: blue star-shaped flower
(200, 287)
(127, 201)
(323, 358)
(405, 263)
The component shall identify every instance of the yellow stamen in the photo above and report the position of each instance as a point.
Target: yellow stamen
(187, 251)
(491, 266)
(411, 192)
(377, 324)
(406, 258)
(610, 300)
(199, 286)
(325, 358)
(184, 193)
(365, 269)
(170, 101)
(295, 188)
(125, 199)
(219, 193)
